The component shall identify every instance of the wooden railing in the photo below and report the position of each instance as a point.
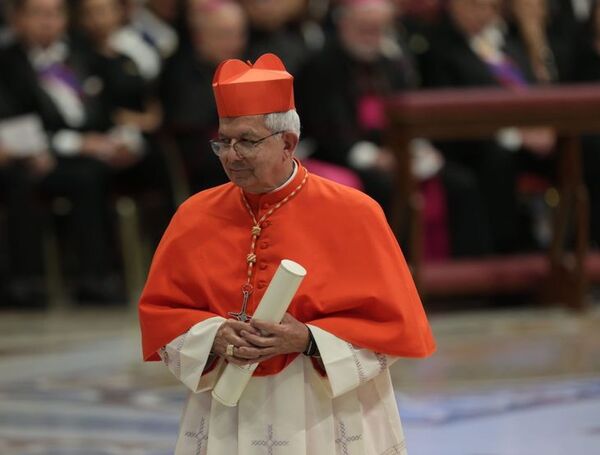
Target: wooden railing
(480, 113)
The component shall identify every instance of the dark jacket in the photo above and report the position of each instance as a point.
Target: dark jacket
(328, 90)
(451, 62)
(18, 73)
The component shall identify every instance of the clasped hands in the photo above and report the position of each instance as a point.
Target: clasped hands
(256, 341)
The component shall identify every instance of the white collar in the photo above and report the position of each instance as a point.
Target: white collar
(492, 35)
(41, 58)
(290, 178)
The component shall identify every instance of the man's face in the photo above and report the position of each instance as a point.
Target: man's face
(220, 35)
(473, 16)
(100, 18)
(363, 29)
(41, 22)
(269, 164)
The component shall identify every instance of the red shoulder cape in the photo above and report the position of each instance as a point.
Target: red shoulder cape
(358, 285)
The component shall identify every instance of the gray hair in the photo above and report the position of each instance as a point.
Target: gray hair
(283, 121)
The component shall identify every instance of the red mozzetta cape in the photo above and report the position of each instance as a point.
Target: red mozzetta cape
(358, 286)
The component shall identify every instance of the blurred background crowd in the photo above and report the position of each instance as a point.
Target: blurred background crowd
(102, 100)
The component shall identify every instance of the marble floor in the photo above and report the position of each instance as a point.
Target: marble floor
(511, 382)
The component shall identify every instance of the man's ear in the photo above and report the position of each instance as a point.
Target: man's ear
(290, 142)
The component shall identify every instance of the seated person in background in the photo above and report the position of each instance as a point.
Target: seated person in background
(218, 32)
(135, 110)
(471, 49)
(341, 97)
(126, 89)
(341, 90)
(52, 79)
(21, 171)
(129, 41)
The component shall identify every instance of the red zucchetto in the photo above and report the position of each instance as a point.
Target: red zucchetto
(244, 89)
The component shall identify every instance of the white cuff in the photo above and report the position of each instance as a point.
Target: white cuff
(426, 160)
(130, 137)
(347, 366)
(67, 142)
(187, 355)
(510, 138)
(363, 155)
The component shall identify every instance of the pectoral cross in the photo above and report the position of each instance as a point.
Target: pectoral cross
(242, 315)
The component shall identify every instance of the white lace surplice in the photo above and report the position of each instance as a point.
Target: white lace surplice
(351, 411)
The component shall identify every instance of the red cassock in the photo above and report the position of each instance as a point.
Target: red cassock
(358, 285)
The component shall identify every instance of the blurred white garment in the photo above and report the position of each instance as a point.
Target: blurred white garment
(41, 58)
(582, 9)
(23, 136)
(427, 161)
(130, 137)
(127, 41)
(155, 31)
(56, 80)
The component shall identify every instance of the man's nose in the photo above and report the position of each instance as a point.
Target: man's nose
(232, 153)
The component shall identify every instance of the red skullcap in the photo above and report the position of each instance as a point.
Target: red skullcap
(244, 89)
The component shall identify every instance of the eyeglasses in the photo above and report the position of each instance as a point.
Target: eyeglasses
(244, 148)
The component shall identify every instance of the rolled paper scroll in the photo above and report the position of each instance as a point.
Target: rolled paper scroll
(272, 307)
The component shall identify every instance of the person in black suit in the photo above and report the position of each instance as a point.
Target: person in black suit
(341, 90)
(134, 110)
(473, 49)
(218, 32)
(54, 80)
(22, 277)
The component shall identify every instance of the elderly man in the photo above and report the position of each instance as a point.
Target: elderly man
(341, 91)
(322, 385)
(472, 49)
